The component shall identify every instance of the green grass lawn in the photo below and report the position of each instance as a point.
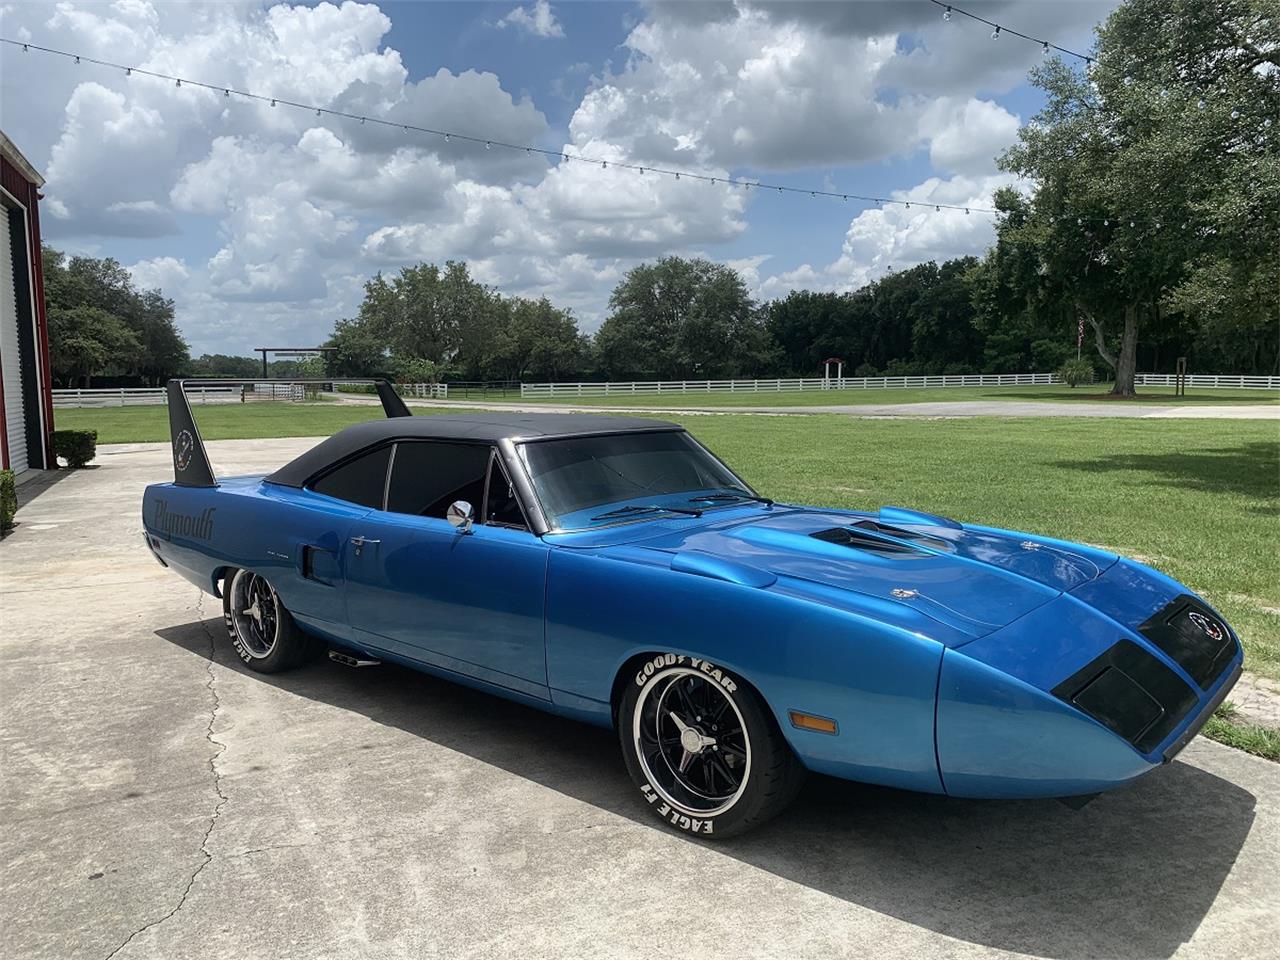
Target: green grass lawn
(804, 398)
(221, 421)
(1198, 499)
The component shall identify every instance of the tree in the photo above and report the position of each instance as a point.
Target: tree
(87, 341)
(538, 341)
(222, 365)
(1179, 97)
(682, 319)
(92, 304)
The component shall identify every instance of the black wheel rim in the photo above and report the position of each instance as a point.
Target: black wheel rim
(254, 613)
(692, 742)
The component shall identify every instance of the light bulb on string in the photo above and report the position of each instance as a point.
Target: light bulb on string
(488, 145)
(995, 34)
(1045, 49)
(177, 83)
(946, 14)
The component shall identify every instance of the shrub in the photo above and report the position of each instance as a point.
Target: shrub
(77, 447)
(1076, 371)
(8, 499)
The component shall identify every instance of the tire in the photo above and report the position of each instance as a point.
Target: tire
(703, 748)
(264, 635)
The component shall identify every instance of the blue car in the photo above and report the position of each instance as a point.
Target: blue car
(616, 571)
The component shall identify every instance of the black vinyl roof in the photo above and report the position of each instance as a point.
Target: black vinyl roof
(474, 427)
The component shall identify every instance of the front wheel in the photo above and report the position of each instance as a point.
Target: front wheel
(703, 748)
(263, 633)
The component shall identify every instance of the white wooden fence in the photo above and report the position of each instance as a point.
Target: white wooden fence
(1210, 380)
(533, 390)
(654, 387)
(423, 391)
(139, 396)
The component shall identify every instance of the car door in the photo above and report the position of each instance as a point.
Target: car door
(471, 602)
(311, 525)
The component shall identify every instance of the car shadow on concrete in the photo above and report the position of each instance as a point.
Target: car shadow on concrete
(1131, 874)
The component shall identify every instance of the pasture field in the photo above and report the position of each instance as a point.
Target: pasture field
(1198, 499)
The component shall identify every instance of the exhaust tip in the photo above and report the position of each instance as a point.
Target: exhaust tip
(348, 660)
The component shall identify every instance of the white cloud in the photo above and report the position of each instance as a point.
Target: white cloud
(165, 273)
(284, 214)
(894, 237)
(965, 135)
(538, 20)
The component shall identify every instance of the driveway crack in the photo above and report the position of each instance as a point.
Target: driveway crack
(218, 748)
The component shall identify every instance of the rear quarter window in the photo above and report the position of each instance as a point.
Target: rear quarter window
(362, 480)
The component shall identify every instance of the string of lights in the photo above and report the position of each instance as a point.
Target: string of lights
(448, 136)
(999, 30)
(563, 156)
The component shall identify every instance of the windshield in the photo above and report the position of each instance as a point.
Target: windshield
(650, 474)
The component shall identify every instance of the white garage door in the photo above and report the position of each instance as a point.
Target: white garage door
(10, 359)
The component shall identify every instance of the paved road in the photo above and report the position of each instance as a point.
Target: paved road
(942, 408)
(159, 801)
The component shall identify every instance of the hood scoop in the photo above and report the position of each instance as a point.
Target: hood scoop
(884, 540)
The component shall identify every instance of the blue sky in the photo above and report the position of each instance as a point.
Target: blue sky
(259, 220)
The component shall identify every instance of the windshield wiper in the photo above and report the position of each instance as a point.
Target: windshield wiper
(646, 508)
(732, 496)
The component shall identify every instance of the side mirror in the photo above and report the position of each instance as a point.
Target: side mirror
(461, 515)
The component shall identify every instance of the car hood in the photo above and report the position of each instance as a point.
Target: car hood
(974, 580)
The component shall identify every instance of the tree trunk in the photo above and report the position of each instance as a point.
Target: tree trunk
(1107, 356)
(1127, 362)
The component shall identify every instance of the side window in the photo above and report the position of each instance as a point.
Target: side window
(503, 509)
(362, 480)
(426, 477)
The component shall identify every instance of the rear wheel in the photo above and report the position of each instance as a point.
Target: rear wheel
(702, 747)
(263, 633)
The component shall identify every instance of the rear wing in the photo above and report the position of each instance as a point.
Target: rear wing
(191, 466)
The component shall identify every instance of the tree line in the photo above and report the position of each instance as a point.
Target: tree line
(1153, 223)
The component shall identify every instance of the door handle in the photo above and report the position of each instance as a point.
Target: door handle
(359, 543)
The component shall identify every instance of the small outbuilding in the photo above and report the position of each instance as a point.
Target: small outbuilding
(26, 388)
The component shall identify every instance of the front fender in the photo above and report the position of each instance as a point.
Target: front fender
(878, 683)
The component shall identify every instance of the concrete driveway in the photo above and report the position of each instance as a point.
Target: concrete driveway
(161, 801)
